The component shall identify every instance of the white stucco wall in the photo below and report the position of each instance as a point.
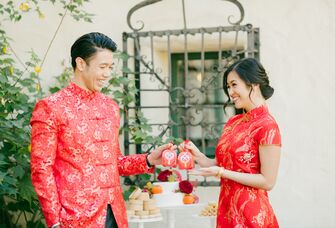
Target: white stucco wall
(297, 50)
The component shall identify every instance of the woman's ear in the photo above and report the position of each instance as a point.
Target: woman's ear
(80, 63)
(255, 86)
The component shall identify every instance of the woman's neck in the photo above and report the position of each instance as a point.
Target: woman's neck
(255, 103)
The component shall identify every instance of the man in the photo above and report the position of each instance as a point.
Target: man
(76, 160)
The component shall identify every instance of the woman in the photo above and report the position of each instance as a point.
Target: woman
(248, 152)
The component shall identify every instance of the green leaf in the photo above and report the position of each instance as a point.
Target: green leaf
(145, 177)
(3, 78)
(124, 80)
(35, 224)
(126, 70)
(3, 163)
(2, 177)
(22, 205)
(114, 81)
(54, 89)
(18, 171)
(10, 180)
(26, 190)
(117, 94)
(127, 193)
(122, 56)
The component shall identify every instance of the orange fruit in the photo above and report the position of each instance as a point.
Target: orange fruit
(188, 199)
(156, 189)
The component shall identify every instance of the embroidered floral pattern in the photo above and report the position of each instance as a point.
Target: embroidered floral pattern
(239, 205)
(76, 161)
(246, 157)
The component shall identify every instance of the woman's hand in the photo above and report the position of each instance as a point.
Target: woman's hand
(215, 171)
(155, 157)
(199, 157)
(196, 153)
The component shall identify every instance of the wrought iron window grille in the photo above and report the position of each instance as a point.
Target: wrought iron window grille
(176, 103)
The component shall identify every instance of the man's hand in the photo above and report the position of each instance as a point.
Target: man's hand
(155, 157)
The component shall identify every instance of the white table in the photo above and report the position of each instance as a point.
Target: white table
(212, 219)
(171, 216)
(140, 222)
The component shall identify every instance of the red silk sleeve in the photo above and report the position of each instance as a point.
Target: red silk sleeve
(133, 164)
(269, 134)
(43, 153)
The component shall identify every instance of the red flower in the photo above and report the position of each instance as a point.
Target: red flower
(164, 175)
(169, 175)
(185, 187)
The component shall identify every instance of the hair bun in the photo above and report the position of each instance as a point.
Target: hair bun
(267, 91)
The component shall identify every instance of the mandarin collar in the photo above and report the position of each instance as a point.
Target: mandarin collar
(256, 112)
(82, 93)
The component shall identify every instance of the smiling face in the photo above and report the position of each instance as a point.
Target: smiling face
(239, 91)
(93, 73)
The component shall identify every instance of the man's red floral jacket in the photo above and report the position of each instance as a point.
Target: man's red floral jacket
(76, 160)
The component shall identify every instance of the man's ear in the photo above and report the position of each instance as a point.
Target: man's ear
(80, 63)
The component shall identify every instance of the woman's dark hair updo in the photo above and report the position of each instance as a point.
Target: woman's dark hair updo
(251, 72)
(87, 45)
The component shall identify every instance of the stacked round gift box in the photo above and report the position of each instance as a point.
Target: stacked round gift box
(141, 206)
